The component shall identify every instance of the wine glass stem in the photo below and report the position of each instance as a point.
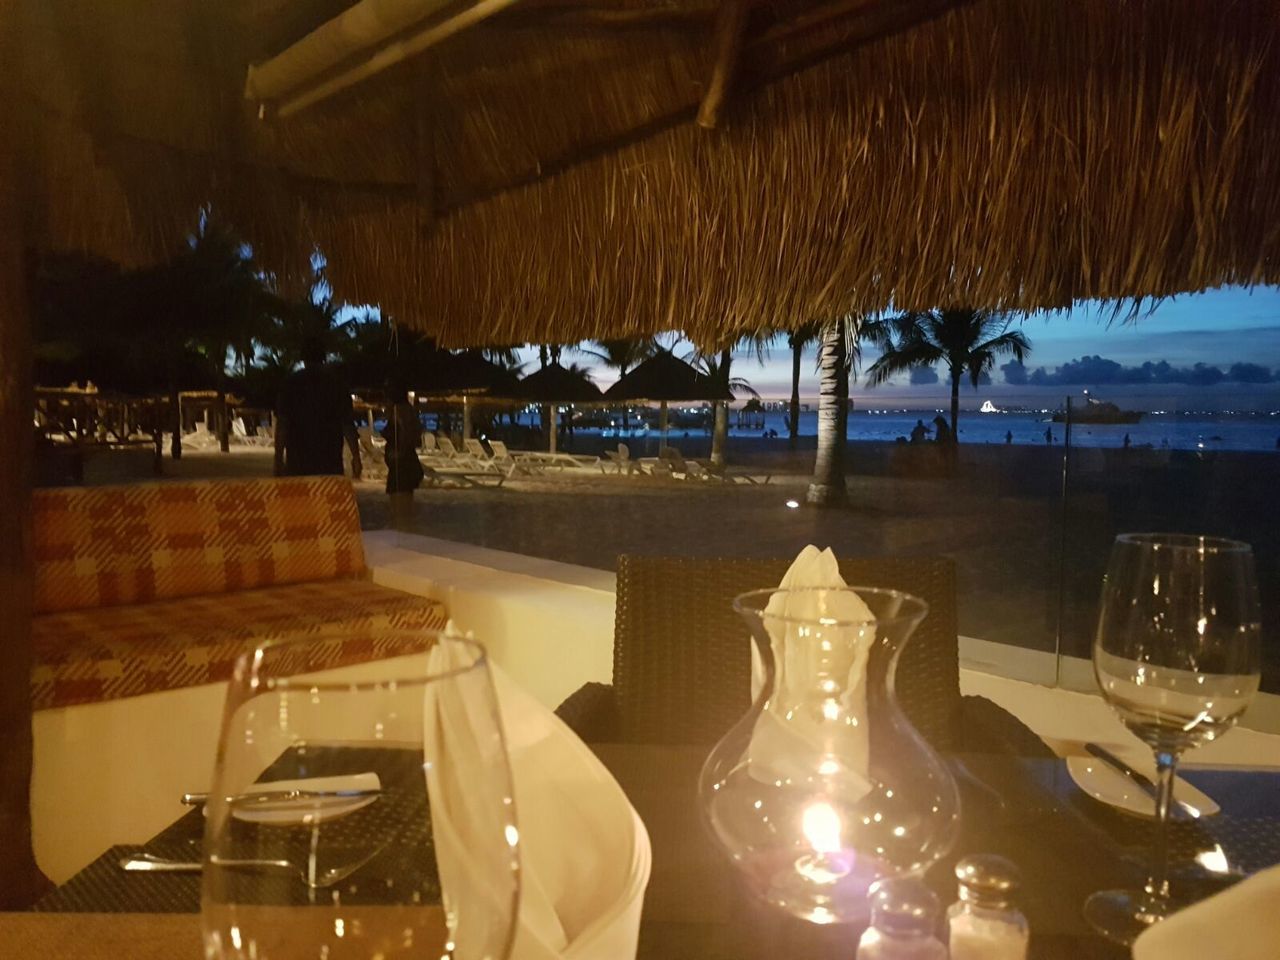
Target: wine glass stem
(1158, 881)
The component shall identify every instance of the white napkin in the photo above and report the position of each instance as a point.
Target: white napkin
(1241, 923)
(784, 738)
(585, 854)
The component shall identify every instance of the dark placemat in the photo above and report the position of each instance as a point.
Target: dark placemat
(394, 832)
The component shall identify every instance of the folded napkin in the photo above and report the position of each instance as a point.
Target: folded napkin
(1241, 923)
(584, 853)
(786, 737)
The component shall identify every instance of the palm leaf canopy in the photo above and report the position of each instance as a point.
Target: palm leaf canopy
(539, 176)
(963, 340)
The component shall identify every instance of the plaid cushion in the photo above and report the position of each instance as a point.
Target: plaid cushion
(108, 546)
(92, 655)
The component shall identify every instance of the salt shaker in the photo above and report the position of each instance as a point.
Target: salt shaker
(985, 923)
(904, 913)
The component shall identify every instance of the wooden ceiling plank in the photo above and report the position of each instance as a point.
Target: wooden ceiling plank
(731, 28)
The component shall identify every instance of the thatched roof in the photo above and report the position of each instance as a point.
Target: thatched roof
(664, 376)
(539, 176)
(554, 384)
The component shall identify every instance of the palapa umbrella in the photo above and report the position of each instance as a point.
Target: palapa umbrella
(665, 377)
(461, 377)
(554, 384)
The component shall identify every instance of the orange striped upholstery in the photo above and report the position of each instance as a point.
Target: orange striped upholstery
(85, 656)
(106, 546)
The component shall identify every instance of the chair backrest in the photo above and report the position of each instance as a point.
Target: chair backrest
(475, 448)
(428, 442)
(445, 446)
(624, 452)
(682, 657)
(499, 449)
(108, 546)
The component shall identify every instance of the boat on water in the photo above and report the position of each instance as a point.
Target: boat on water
(1098, 411)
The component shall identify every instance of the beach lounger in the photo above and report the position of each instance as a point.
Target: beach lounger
(620, 460)
(438, 475)
(373, 458)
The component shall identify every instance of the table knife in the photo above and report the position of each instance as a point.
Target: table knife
(283, 796)
(1140, 779)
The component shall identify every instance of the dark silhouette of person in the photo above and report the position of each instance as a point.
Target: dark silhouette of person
(1008, 437)
(403, 433)
(1048, 434)
(313, 418)
(1127, 441)
(942, 430)
(919, 432)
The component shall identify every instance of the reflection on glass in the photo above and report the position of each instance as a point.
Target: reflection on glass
(1177, 656)
(362, 817)
(824, 787)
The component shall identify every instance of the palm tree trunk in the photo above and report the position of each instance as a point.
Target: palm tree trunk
(793, 416)
(955, 407)
(720, 435)
(224, 422)
(828, 488)
(175, 418)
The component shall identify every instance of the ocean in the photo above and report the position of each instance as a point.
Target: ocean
(1177, 431)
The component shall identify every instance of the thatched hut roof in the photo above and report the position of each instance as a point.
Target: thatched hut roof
(555, 384)
(539, 175)
(664, 376)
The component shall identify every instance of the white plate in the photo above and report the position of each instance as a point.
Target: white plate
(1105, 783)
(309, 810)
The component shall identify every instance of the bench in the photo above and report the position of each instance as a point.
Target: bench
(159, 586)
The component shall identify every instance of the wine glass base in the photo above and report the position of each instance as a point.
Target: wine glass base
(1121, 915)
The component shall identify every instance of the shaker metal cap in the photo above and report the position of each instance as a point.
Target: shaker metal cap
(902, 903)
(988, 880)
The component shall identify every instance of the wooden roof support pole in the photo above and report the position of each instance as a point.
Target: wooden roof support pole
(20, 880)
(731, 25)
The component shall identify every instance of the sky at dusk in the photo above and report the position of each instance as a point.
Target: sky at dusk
(1220, 328)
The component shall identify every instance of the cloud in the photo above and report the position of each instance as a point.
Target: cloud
(923, 375)
(1096, 370)
(1014, 372)
(1249, 373)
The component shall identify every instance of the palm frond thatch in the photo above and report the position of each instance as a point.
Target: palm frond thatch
(1014, 154)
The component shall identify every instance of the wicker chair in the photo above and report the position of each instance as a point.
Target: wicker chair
(682, 662)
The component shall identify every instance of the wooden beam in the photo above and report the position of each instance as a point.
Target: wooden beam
(20, 880)
(570, 14)
(815, 17)
(731, 26)
(768, 66)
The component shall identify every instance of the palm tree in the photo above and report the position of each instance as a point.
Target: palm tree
(798, 339)
(838, 354)
(718, 369)
(964, 339)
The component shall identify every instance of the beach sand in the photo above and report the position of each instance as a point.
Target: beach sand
(1001, 517)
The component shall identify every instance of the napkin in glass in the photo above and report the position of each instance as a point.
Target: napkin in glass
(784, 738)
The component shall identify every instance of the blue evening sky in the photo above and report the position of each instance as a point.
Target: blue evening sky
(1219, 327)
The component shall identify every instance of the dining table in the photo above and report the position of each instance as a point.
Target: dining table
(1029, 810)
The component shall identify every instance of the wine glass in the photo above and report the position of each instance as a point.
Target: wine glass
(361, 812)
(1177, 656)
